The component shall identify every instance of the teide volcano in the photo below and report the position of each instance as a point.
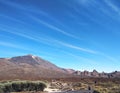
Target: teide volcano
(29, 67)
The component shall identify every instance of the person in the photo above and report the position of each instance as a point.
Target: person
(89, 88)
(95, 82)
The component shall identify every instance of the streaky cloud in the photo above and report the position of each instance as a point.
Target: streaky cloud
(24, 8)
(25, 35)
(79, 58)
(26, 49)
(83, 2)
(53, 27)
(76, 47)
(111, 59)
(79, 48)
(7, 44)
(97, 53)
(112, 6)
(13, 19)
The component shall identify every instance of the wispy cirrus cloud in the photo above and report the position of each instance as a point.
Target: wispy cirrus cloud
(96, 53)
(12, 19)
(79, 48)
(49, 41)
(39, 12)
(25, 35)
(84, 2)
(112, 6)
(7, 44)
(110, 58)
(80, 58)
(23, 7)
(26, 50)
(75, 47)
(91, 61)
(53, 27)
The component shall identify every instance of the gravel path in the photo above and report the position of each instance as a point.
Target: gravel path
(81, 91)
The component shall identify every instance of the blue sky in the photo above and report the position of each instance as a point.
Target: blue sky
(78, 34)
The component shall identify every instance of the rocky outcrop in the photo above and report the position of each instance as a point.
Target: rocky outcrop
(95, 73)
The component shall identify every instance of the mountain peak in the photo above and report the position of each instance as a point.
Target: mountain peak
(30, 55)
(34, 61)
(29, 59)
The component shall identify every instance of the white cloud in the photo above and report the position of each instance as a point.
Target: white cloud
(11, 18)
(7, 44)
(111, 59)
(75, 47)
(26, 35)
(53, 27)
(112, 6)
(83, 2)
(79, 48)
(80, 58)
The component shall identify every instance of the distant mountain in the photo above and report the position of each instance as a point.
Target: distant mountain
(29, 67)
(96, 74)
(69, 71)
(34, 61)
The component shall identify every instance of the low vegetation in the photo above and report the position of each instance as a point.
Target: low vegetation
(18, 86)
(99, 85)
(107, 87)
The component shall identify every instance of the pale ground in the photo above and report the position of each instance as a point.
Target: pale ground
(81, 91)
(49, 90)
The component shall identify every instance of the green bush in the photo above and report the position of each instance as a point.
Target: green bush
(18, 86)
(95, 91)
